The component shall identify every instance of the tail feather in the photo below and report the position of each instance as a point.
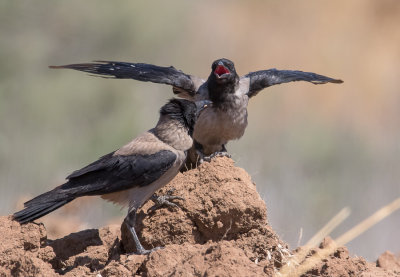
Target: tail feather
(50, 196)
(41, 205)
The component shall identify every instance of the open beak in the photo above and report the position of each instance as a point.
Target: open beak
(221, 71)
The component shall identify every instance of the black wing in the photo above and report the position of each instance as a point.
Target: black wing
(137, 71)
(115, 173)
(266, 78)
(108, 174)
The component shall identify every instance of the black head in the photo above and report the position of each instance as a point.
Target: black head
(223, 72)
(185, 111)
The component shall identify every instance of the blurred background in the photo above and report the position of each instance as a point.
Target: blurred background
(311, 150)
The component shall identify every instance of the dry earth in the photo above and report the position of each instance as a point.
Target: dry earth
(221, 229)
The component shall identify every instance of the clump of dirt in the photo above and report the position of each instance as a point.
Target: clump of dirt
(220, 229)
(389, 261)
(340, 263)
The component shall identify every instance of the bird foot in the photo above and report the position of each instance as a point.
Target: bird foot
(216, 154)
(164, 200)
(130, 223)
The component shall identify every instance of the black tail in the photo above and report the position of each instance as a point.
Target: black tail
(42, 205)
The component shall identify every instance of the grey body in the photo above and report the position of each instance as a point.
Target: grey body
(227, 119)
(131, 174)
(147, 144)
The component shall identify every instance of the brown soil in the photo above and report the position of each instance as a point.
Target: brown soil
(221, 229)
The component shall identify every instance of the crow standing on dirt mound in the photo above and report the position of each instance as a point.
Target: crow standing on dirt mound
(130, 175)
(227, 119)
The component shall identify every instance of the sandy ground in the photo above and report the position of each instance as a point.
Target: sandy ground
(220, 229)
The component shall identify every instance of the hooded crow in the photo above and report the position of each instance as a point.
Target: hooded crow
(130, 175)
(227, 119)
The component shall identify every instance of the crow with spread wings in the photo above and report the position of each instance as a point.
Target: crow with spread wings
(230, 93)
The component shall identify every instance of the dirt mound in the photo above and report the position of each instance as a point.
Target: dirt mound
(340, 263)
(221, 229)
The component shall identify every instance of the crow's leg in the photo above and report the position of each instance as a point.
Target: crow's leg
(164, 200)
(223, 150)
(199, 151)
(130, 221)
(222, 153)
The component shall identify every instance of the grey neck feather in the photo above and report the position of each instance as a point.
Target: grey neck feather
(173, 133)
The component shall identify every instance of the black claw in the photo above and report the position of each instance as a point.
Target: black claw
(203, 158)
(216, 154)
(221, 154)
(164, 200)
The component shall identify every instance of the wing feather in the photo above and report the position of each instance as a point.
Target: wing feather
(266, 78)
(138, 71)
(112, 173)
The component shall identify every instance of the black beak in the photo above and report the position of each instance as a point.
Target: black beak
(201, 105)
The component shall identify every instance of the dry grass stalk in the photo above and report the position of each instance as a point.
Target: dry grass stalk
(291, 269)
(322, 233)
(368, 222)
(329, 227)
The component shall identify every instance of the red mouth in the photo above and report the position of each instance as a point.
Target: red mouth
(221, 70)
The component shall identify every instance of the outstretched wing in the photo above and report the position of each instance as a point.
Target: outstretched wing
(141, 72)
(266, 78)
(112, 173)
